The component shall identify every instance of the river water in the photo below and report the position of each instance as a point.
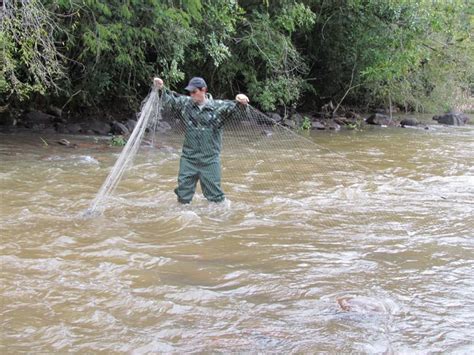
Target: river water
(372, 261)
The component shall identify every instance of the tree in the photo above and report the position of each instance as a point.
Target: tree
(30, 60)
(102, 54)
(265, 58)
(385, 51)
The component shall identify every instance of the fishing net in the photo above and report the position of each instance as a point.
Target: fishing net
(263, 163)
(150, 115)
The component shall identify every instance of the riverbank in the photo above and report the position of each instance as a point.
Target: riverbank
(53, 122)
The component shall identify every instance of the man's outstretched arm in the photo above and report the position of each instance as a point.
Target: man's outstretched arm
(228, 107)
(169, 97)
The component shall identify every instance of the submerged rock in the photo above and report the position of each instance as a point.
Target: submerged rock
(360, 304)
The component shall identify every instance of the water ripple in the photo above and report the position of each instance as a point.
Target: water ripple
(342, 261)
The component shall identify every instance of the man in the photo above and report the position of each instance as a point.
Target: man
(203, 118)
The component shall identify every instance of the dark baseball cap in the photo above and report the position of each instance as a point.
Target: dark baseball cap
(196, 83)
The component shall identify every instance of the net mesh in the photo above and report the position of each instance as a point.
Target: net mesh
(150, 115)
(262, 161)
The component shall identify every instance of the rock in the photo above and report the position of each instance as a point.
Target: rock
(352, 115)
(7, 119)
(289, 123)
(343, 120)
(379, 120)
(73, 128)
(35, 119)
(55, 111)
(274, 117)
(163, 126)
(131, 124)
(119, 129)
(60, 128)
(452, 119)
(37, 127)
(268, 119)
(298, 119)
(64, 142)
(361, 304)
(38, 117)
(409, 121)
(334, 126)
(99, 127)
(317, 125)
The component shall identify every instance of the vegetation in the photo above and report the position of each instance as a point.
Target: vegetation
(306, 124)
(91, 54)
(117, 141)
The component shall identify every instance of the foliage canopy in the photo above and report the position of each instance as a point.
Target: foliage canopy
(101, 53)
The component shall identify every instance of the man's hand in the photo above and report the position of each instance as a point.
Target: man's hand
(158, 83)
(242, 99)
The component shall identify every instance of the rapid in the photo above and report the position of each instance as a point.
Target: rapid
(262, 272)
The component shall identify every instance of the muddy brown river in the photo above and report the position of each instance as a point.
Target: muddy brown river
(367, 261)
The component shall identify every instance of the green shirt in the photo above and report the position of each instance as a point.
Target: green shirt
(203, 125)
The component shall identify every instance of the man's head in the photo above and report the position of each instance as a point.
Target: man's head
(197, 88)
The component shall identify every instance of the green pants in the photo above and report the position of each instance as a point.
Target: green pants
(209, 174)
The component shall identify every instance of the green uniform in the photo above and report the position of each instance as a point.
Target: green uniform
(200, 158)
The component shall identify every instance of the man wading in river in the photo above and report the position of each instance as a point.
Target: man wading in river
(203, 118)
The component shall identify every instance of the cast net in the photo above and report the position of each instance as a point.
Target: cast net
(149, 117)
(264, 163)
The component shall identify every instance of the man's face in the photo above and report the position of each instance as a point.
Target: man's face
(198, 95)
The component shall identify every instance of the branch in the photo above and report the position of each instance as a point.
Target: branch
(349, 89)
